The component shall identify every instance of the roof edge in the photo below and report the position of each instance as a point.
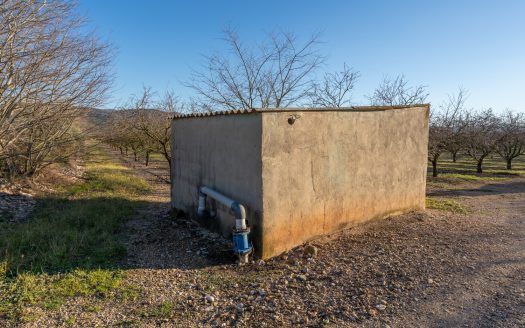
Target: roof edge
(298, 109)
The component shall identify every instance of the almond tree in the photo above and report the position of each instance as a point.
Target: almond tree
(50, 71)
(446, 128)
(273, 75)
(480, 136)
(510, 136)
(436, 142)
(334, 91)
(455, 112)
(396, 91)
(153, 120)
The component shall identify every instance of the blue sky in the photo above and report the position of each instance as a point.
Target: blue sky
(479, 45)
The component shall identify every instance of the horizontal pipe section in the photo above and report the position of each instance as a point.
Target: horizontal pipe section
(237, 208)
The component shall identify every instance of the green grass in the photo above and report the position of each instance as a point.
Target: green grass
(69, 246)
(445, 205)
(464, 169)
(471, 177)
(157, 156)
(164, 310)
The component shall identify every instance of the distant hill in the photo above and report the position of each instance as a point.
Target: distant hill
(98, 116)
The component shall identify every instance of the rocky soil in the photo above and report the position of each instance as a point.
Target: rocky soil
(423, 269)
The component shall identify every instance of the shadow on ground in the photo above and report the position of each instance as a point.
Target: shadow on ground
(491, 188)
(63, 234)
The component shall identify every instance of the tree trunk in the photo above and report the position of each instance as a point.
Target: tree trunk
(434, 168)
(147, 158)
(135, 155)
(479, 169)
(121, 151)
(509, 163)
(454, 156)
(169, 164)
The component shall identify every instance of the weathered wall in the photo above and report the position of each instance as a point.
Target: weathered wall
(223, 153)
(328, 170)
(332, 169)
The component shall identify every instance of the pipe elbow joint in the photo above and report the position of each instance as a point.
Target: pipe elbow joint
(240, 215)
(239, 210)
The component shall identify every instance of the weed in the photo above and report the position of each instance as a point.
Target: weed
(69, 321)
(129, 293)
(445, 205)
(163, 311)
(51, 291)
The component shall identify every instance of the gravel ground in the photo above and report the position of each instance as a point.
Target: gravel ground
(422, 269)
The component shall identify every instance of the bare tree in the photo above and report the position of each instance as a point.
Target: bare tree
(275, 74)
(446, 128)
(155, 124)
(50, 71)
(480, 136)
(334, 91)
(143, 125)
(436, 142)
(510, 136)
(454, 113)
(393, 92)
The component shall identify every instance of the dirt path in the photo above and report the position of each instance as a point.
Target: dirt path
(432, 269)
(488, 289)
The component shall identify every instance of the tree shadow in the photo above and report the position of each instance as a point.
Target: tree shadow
(487, 189)
(489, 171)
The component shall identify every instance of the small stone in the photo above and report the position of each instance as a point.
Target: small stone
(290, 260)
(310, 251)
(210, 299)
(301, 277)
(239, 307)
(430, 281)
(381, 307)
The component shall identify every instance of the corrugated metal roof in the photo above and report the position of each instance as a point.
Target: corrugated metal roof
(272, 110)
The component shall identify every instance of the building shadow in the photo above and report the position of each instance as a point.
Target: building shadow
(63, 234)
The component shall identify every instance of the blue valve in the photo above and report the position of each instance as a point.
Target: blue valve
(241, 245)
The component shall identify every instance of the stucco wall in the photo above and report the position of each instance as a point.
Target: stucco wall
(333, 169)
(328, 170)
(221, 152)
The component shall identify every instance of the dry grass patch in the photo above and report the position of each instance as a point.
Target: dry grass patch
(445, 205)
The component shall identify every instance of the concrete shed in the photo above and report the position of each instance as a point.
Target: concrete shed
(301, 173)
